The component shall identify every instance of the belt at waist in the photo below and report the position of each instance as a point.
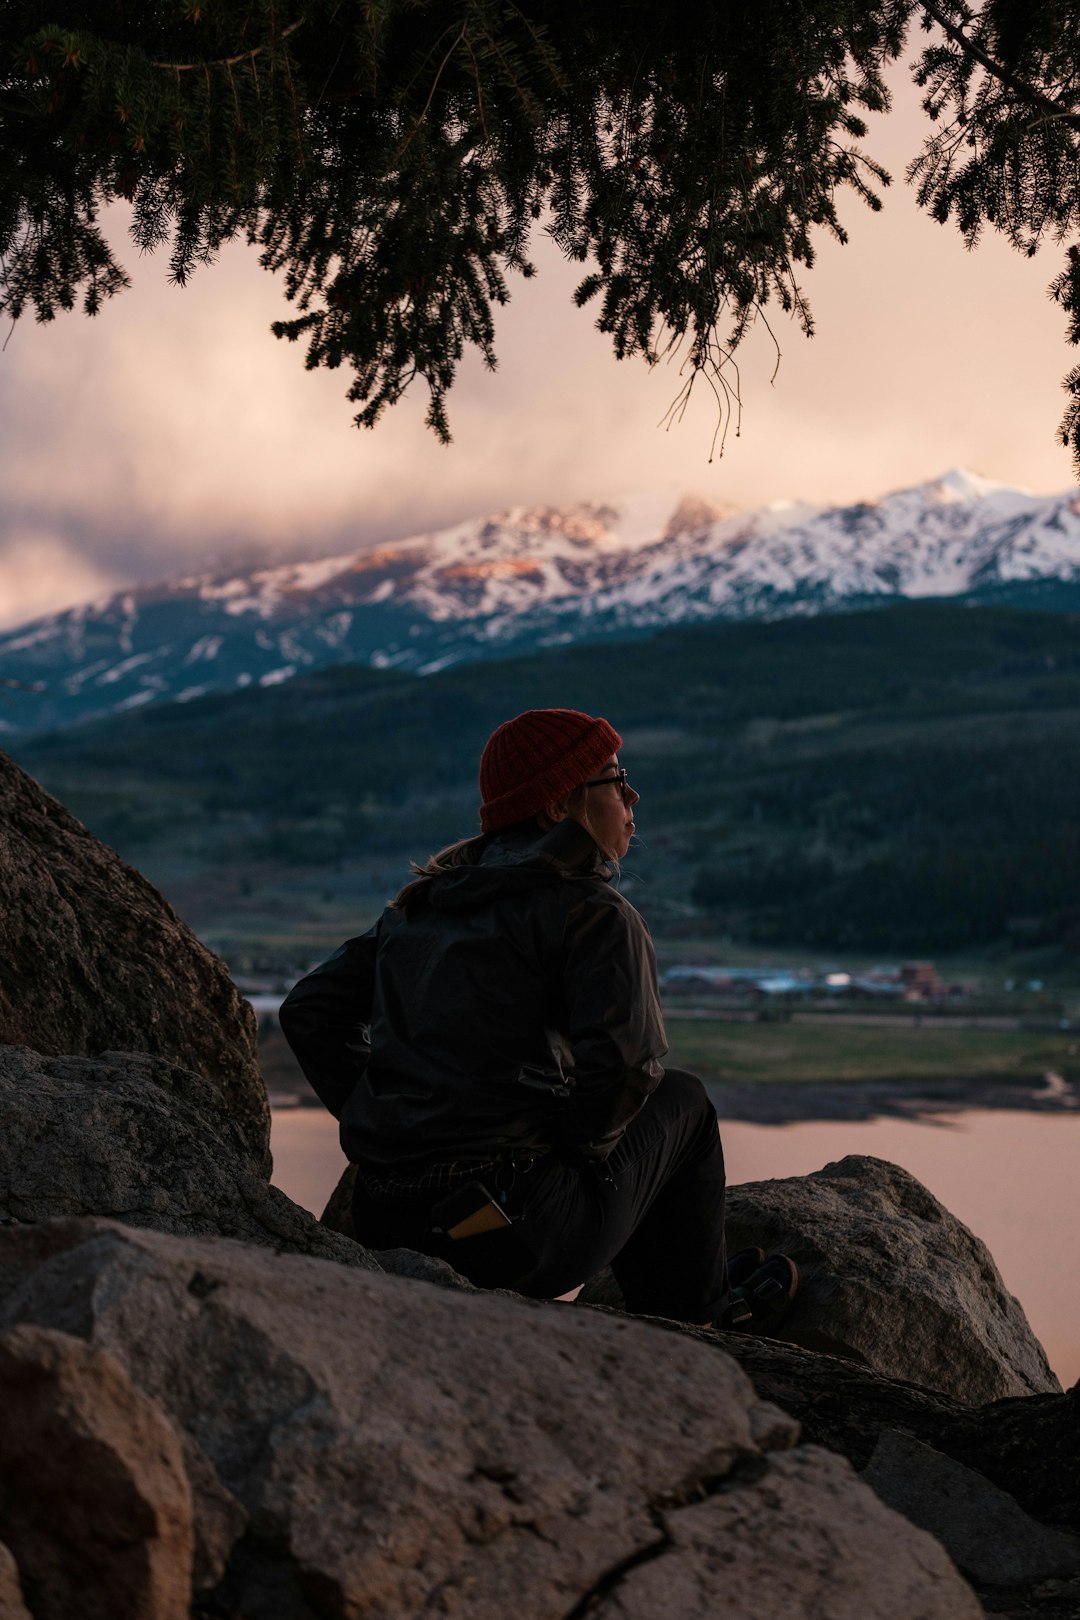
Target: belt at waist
(391, 1184)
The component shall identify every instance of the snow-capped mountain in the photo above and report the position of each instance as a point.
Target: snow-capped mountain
(534, 577)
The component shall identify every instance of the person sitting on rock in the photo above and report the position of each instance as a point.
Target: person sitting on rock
(493, 1045)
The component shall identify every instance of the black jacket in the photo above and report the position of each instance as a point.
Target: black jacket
(516, 1005)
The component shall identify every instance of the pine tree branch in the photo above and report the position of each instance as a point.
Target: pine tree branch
(228, 61)
(417, 126)
(1012, 81)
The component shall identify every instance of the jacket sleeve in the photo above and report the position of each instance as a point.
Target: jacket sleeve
(326, 1017)
(614, 1024)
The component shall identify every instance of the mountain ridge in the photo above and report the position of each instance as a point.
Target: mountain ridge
(538, 576)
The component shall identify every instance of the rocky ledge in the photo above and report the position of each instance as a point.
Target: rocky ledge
(276, 1437)
(216, 1406)
(95, 958)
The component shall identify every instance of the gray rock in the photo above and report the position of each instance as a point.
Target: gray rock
(789, 1542)
(602, 1290)
(985, 1531)
(423, 1268)
(338, 1213)
(12, 1604)
(402, 1450)
(1029, 1445)
(95, 958)
(95, 1504)
(887, 1270)
(146, 1142)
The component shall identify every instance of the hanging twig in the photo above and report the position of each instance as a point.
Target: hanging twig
(229, 61)
(418, 124)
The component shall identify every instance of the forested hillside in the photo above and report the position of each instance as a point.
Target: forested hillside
(902, 779)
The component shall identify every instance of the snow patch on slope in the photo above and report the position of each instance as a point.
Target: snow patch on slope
(538, 576)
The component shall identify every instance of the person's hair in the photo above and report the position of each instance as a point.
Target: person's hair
(578, 802)
(467, 852)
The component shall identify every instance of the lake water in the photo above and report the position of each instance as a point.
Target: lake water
(1013, 1178)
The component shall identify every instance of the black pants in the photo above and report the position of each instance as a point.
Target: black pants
(653, 1211)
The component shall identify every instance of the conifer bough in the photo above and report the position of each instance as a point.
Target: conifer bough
(392, 158)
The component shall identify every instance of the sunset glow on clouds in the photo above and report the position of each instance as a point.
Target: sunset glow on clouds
(175, 428)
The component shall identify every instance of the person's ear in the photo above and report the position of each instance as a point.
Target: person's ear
(558, 810)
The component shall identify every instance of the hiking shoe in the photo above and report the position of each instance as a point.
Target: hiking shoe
(742, 1265)
(761, 1302)
(737, 1316)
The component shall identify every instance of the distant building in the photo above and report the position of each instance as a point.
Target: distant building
(914, 981)
(735, 981)
(921, 981)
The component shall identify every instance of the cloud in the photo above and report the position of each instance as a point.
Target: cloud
(41, 573)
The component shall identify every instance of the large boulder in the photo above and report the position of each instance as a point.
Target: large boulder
(12, 1603)
(886, 1270)
(888, 1277)
(360, 1443)
(95, 1503)
(1028, 1445)
(147, 1142)
(956, 1469)
(986, 1531)
(822, 1557)
(95, 958)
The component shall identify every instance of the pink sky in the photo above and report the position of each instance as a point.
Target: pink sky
(174, 427)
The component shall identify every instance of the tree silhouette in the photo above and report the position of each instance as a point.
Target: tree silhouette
(392, 158)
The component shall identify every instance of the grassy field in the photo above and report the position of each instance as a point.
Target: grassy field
(769, 1053)
(813, 1052)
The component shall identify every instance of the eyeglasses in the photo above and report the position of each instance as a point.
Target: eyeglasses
(619, 777)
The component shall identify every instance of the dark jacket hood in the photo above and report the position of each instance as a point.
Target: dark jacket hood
(521, 858)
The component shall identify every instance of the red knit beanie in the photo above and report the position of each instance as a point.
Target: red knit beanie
(530, 762)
